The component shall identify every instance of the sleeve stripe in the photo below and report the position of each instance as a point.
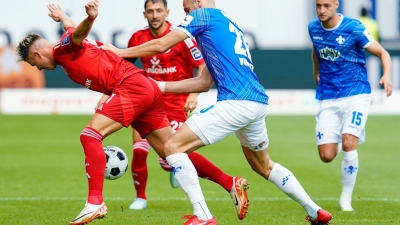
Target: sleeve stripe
(189, 42)
(184, 31)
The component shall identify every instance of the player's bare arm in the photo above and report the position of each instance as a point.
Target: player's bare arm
(315, 66)
(58, 15)
(83, 29)
(191, 101)
(386, 80)
(192, 85)
(153, 47)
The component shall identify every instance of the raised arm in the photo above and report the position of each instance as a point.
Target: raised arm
(315, 66)
(376, 49)
(58, 15)
(150, 48)
(83, 29)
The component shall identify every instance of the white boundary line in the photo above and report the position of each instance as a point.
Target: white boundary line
(185, 199)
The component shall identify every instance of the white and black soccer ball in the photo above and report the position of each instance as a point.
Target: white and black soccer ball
(116, 162)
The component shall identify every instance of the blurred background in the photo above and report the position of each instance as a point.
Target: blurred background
(276, 31)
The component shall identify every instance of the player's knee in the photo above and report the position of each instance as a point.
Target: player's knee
(327, 152)
(169, 147)
(326, 157)
(88, 133)
(349, 145)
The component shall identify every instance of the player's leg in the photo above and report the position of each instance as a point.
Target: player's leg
(139, 170)
(208, 126)
(254, 140)
(173, 118)
(158, 138)
(205, 168)
(355, 116)
(91, 138)
(122, 108)
(208, 170)
(176, 149)
(328, 129)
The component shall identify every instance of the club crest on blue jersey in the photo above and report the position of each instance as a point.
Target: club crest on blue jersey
(327, 53)
(65, 41)
(196, 54)
(340, 40)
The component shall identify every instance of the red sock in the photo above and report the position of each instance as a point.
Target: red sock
(139, 167)
(207, 170)
(95, 161)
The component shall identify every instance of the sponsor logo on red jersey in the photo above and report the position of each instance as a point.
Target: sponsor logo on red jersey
(87, 83)
(158, 69)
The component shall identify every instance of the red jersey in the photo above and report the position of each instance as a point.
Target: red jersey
(176, 64)
(88, 65)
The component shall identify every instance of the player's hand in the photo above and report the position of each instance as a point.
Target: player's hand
(56, 13)
(386, 81)
(92, 9)
(191, 102)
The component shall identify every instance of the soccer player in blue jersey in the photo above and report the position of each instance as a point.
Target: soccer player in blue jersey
(343, 89)
(241, 108)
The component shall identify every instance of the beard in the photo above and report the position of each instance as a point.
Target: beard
(325, 18)
(156, 27)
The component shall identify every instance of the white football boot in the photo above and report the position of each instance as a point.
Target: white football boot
(90, 212)
(345, 203)
(138, 204)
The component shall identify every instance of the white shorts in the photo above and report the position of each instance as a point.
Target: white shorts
(244, 118)
(336, 117)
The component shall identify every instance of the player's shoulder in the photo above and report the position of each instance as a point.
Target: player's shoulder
(172, 26)
(352, 23)
(142, 30)
(205, 13)
(314, 23)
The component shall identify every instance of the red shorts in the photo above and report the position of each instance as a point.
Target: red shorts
(137, 101)
(176, 118)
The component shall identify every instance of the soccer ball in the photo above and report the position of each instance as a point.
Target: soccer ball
(116, 162)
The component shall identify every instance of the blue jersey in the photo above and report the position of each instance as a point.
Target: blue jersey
(226, 54)
(340, 53)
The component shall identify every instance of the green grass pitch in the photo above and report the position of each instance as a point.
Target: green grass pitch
(42, 178)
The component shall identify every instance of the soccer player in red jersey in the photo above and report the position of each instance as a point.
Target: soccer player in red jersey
(176, 64)
(134, 99)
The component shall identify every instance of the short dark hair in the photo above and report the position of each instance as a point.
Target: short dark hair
(25, 44)
(154, 1)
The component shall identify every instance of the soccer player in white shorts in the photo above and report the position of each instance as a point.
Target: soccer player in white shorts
(340, 116)
(343, 89)
(244, 118)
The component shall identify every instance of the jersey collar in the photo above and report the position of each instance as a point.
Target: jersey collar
(335, 27)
